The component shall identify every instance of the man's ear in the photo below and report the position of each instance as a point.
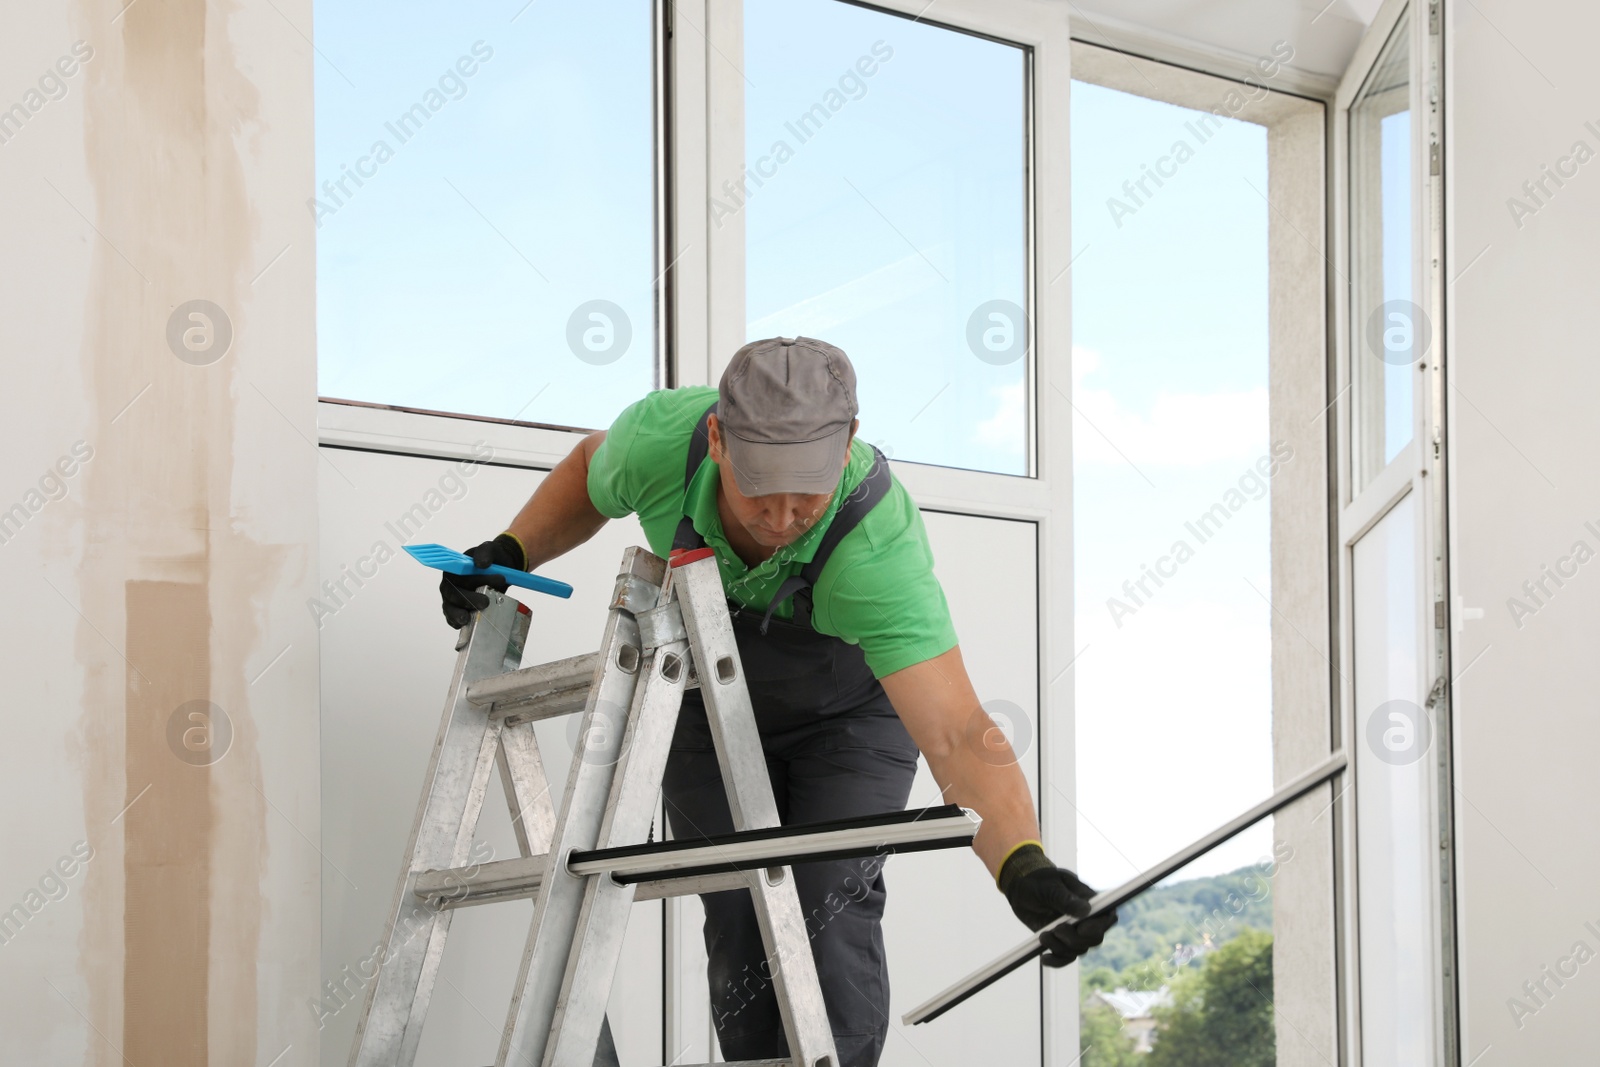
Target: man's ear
(714, 437)
(855, 424)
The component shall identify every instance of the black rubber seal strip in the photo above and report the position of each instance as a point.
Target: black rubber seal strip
(779, 833)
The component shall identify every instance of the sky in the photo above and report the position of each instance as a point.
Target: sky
(449, 278)
(463, 274)
(1169, 381)
(897, 218)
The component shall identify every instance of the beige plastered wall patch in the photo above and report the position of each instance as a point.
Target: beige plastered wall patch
(171, 947)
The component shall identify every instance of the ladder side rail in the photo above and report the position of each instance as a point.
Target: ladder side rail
(390, 1027)
(698, 587)
(603, 922)
(561, 894)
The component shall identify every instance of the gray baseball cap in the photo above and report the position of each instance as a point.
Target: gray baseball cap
(784, 407)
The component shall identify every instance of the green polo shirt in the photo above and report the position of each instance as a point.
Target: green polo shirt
(878, 589)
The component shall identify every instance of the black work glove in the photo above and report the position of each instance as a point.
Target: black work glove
(1040, 893)
(459, 591)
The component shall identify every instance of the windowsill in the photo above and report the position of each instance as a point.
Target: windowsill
(414, 432)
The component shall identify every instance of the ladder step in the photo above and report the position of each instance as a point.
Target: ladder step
(946, 826)
(538, 692)
(543, 691)
(487, 883)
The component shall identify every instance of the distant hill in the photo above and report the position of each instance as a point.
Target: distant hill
(1182, 912)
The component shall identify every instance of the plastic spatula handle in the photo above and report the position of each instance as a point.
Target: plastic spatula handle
(449, 560)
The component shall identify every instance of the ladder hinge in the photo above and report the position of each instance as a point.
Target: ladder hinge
(661, 626)
(1438, 615)
(1433, 157)
(634, 594)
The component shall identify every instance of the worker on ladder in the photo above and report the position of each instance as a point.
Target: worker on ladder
(848, 651)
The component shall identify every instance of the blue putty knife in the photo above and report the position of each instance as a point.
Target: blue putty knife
(449, 560)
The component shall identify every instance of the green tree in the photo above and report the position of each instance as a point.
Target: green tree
(1102, 1041)
(1216, 907)
(1097, 979)
(1221, 1015)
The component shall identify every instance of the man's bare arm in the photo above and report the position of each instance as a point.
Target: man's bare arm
(560, 516)
(971, 761)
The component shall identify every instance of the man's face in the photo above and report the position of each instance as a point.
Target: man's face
(773, 520)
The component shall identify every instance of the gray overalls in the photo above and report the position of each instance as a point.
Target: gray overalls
(835, 748)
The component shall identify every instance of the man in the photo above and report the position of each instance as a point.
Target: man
(847, 648)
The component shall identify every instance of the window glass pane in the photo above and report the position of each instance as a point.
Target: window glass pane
(1392, 813)
(1389, 333)
(484, 207)
(884, 212)
(1172, 467)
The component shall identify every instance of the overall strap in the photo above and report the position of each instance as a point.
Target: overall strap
(862, 499)
(687, 537)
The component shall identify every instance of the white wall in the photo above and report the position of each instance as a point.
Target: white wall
(1522, 85)
(168, 163)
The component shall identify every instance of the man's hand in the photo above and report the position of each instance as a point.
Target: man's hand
(1040, 893)
(459, 591)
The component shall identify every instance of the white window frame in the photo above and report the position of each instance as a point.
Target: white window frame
(700, 322)
(1418, 470)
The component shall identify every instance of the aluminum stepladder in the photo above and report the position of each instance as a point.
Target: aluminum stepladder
(667, 629)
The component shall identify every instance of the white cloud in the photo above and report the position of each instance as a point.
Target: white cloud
(1179, 429)
(1174, 732)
